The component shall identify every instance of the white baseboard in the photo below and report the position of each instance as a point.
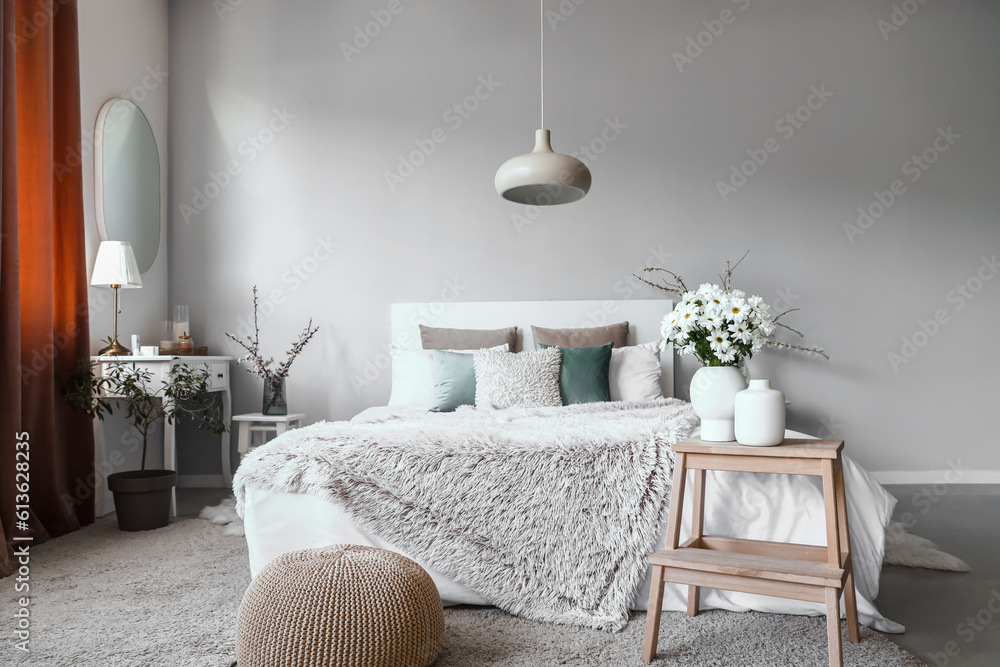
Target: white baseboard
(201, 481)
(937, 476)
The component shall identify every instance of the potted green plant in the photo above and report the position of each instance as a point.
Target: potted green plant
(142, 497)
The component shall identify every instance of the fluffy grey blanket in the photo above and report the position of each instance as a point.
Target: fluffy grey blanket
(548, 513)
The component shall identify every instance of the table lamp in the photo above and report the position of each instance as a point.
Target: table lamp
(116, 268)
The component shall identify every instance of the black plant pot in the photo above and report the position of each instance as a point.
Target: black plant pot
(142, 498)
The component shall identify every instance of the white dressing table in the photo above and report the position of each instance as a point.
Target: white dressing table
(159, 367)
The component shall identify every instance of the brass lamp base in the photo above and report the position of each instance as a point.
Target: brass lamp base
(116, 349)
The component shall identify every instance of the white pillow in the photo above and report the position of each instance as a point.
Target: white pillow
(634, 374)
(413, 376)
(528, 379)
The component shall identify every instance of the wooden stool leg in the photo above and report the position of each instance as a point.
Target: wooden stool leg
(676, 501)
(653, 612)
(832, 525)
(654, 609)
(850, 598)
(833, 627)
(694, 600)
(697, 530)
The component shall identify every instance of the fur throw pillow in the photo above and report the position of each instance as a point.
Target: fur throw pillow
(527, 379)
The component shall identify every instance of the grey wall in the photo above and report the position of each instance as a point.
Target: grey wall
(321, 180)
(123, 53)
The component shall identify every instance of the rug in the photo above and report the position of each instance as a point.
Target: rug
(225, 514)
(908, 550)
(169, 597)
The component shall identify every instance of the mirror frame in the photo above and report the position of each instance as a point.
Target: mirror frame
(102, 228)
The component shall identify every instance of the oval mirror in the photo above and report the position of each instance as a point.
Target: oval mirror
(127, 180)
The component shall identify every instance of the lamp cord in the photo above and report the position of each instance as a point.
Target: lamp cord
(541, 23)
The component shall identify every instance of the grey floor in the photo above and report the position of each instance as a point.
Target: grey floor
(942, 611)
(948, 616)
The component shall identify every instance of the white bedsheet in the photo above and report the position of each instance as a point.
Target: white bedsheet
(780, 508)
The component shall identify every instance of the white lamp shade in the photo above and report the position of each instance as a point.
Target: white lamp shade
(116, 265)
(542, 177)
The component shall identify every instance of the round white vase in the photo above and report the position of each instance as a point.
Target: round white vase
(760, 415)
(713, 397)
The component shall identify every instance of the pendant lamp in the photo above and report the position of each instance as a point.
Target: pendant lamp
(543, 177)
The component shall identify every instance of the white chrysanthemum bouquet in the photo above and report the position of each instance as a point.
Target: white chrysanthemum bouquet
(720, 325)
(720, 328)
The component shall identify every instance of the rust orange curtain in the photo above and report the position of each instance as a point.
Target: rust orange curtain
(43, 275)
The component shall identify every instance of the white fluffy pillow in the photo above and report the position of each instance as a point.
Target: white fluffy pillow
(528, 379)
(634, 374)
(413, 376)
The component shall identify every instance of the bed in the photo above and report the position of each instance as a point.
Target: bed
(280, 517)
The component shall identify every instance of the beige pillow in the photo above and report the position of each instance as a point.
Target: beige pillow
(613, 333)
(434, 338)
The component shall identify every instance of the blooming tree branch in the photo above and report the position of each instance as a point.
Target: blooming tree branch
(263, 368)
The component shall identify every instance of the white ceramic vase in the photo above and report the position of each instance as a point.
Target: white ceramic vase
(713, 396)
(760, 415)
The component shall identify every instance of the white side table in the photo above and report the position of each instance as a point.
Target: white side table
(159, 368)
(256, 422)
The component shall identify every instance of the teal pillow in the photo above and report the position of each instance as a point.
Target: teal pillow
(454, 380)
(583, 377)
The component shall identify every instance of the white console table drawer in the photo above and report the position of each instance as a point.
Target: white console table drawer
(156, 371)
(219, 375)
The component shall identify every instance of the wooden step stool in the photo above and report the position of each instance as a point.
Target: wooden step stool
(796, 571)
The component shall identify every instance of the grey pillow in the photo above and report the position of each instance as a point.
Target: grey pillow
(528, 379)
(434, 338)
(592, 337)
(454, 380)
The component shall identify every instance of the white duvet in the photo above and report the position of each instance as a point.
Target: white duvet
(780, 508)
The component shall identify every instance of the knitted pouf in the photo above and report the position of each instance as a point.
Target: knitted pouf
(342, 605)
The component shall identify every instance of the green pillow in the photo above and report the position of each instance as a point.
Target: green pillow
(583, 377)
(454, 380)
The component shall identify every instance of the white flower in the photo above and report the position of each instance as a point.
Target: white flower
(719, 341)
(709, 290)
(712, 316)
(685, 316)
(737, 310)
(726, 357)
(740, 332)
(668, 325)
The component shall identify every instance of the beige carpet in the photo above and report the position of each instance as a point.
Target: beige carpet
(169, 597)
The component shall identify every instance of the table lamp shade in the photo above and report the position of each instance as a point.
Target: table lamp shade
(116, 265)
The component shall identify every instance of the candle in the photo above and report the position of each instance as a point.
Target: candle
(182, 322)
(167, 335)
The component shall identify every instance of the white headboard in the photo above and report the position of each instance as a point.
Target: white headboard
(643, 315)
